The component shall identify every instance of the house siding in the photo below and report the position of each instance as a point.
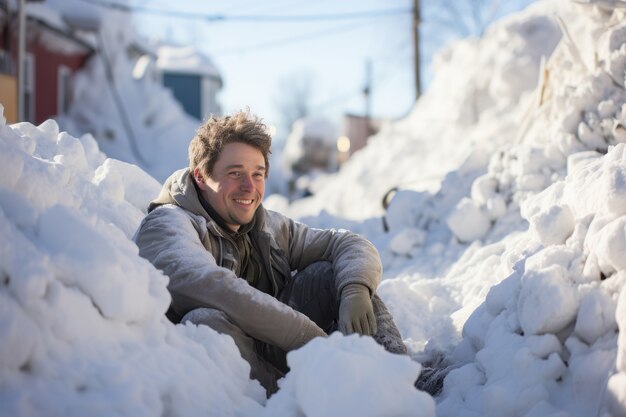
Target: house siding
(45, 46)
(8, 97)
(47, 66)
(187, 90)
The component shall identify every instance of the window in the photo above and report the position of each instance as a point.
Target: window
(63, 90)
(5, 62)
(28, 103)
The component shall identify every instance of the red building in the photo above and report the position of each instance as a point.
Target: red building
(53, 54)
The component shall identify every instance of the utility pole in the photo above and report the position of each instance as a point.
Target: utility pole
(416, 46)
(367, 94)
(367, 88)
(21, 54)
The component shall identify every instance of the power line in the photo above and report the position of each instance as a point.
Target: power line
(287, 40)
(218, 17)
(337, 100)
(264, 7)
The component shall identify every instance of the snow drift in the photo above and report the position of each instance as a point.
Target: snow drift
(83, 321)
(503, 260)
(513, 261)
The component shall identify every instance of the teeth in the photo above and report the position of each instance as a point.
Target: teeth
(244, 201)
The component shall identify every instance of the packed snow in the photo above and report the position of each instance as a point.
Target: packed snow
(503, 252)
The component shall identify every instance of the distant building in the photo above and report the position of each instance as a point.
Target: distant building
(193, 79)
(53, 54)
(311, 145)
(355, 133)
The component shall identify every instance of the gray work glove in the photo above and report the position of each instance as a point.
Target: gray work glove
(356, 313)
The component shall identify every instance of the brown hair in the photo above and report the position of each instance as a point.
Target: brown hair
(206, 146)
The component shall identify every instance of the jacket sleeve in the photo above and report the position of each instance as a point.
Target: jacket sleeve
(355, 260)
(170, 240)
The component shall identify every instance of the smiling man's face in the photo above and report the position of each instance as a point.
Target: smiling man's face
(236, 186)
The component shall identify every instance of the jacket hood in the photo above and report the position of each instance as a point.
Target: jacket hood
(180, 190)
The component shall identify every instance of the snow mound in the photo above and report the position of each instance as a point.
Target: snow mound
(472, 107)
(511, 267)
(550, 328)
(83, 316)
(545, 341)
(83, 325)
(357, 368)
(504, 253)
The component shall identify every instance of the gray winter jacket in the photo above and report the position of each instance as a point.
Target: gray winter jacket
(180, 238)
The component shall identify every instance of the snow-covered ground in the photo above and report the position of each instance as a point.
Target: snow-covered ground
(504, 255)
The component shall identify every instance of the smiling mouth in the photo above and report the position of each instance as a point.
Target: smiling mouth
(244, 202)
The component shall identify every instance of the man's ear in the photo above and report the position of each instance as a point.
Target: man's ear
(197, 176)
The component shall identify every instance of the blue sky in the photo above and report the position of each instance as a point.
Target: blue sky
(257, 57)
(254, 57)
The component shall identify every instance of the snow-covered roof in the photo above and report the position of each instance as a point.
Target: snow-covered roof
(186, 60)
(77, 14)
(64, 23)
(44, 13)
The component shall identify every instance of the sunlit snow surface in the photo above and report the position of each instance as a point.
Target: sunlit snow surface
(504, 257)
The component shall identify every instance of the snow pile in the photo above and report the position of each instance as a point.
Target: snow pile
(545, 340)
(504, 256)
(472, 107)
(550, 207)
(134, 119)
(83, 325)
(366, 381)
(512, 271)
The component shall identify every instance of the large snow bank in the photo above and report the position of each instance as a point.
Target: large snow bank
(545, 340)
(83, 324)
(510, 269)
(504, 256)
(471, 108)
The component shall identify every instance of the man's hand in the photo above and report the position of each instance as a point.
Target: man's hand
(356, 313)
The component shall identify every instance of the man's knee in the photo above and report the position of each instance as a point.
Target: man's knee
(215, 319)
(320, 270)
(204, 316)
(312, 291)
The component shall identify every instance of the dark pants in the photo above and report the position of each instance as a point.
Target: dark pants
(312, 292)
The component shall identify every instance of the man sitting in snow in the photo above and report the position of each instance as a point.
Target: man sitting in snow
(271, 283)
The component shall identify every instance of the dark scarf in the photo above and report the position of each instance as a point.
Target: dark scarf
(251, 264)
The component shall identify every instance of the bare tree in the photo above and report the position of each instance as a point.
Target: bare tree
(463, 18)
(293, 97)
(441, 21)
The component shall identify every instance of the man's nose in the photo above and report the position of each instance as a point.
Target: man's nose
(246, 182)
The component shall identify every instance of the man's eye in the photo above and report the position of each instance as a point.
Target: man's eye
(235, 174)
(258, 175)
